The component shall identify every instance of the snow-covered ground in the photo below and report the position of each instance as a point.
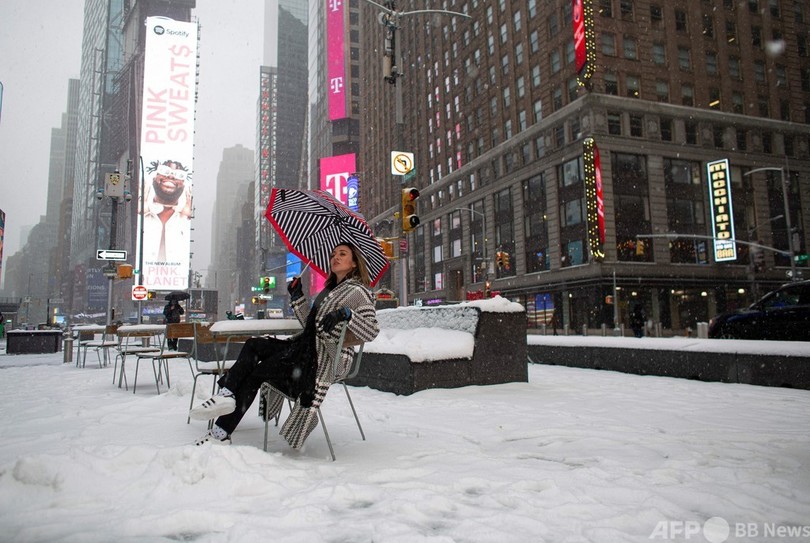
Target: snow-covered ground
(571, 456)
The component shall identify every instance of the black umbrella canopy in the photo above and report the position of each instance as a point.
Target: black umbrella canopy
(311, 223)
(177, 295)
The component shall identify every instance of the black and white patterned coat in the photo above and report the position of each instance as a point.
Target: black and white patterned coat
(362, 325)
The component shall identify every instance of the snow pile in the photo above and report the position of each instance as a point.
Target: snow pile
(450, 317)
(423, 344)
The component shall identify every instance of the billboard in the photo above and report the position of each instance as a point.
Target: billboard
(167, 153)
(336, 58)
(721, 210)
(335, 174)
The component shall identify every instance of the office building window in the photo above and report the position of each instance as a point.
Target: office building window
(684, 58)
(742, 139)
(680, 20)
(662, 91)
(630, 48)
(691, 132)
(636, 126)
(659, 55)
(614, 123)
(611, 84)
(711, 63)
(666, 129)
(632, 86)
(687, 95)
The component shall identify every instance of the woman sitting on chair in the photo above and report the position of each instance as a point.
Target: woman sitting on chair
(300, 366)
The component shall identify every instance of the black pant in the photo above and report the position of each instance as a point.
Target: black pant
(261, 359)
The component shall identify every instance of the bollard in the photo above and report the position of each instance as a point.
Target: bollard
(584, 329)
(703, 330)
(566, 329)
(67, 348)
(659, 329)
(543, 328)
(604, 329)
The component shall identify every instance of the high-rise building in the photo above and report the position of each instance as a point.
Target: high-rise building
(102, 58)
(281, 125)
(582, 193)
(235, 175)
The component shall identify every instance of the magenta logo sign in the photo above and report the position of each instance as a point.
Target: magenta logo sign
(335, 172)
(336, 59)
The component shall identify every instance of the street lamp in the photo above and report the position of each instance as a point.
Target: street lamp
(793, 276)
(484, 226)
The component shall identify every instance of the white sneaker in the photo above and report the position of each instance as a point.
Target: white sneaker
(214, 407)
(209, 438)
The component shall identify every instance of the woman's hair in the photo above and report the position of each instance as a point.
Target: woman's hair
(360, 272)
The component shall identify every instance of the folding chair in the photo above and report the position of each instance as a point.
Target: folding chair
(215, 368)
(271, 404)
(108, 341)
(160, 360)
(132, 342)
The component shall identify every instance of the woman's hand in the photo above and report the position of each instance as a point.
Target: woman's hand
(295, 288)
(330, 320)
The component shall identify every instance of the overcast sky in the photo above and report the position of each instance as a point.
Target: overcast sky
(40, 49)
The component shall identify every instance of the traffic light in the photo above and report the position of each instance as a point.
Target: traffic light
(150, 295)
(265, 284)
(499, 258)
(409, 218)
(505, 256)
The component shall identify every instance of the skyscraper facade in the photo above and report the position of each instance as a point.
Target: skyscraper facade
(235, 175)
(281, 157)
(582, 193)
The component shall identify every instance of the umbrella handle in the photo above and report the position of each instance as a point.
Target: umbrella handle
(294, 279)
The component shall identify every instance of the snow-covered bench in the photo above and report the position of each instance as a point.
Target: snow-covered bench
(473, 343)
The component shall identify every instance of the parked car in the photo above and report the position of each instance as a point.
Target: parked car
(782, 314)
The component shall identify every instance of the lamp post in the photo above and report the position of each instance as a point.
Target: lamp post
(793, 276)
(484, 226)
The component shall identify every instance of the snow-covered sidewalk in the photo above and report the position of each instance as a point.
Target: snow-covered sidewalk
(571, 456)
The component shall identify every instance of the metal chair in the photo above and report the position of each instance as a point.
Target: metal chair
(108, 341)
(132, 342)
(215, 368)
(160, 360)
(272, 397)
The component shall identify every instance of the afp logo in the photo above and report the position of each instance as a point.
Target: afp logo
(159, 30)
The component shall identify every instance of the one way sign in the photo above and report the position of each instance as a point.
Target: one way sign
(107, 254)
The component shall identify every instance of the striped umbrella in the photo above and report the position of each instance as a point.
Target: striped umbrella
(312, 223)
